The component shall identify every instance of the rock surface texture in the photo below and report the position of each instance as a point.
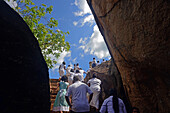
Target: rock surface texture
(107, 72)
(137, 35)
(24, 73)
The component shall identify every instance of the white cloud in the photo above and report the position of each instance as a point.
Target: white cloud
(82, 55)
(75, 23)
(83, 41)
(61, 58)
(96, 45)
(11, 3)
(85, 12)
(83, 6)
(74, 60)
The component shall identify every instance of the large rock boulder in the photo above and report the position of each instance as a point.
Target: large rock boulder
(24, 73)
(110, 77)
(137, 35)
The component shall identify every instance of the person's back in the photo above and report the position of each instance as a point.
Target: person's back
(113, 104)
(109, 104)
(79, 91)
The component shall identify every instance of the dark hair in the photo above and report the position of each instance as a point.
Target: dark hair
(77, 71)
(93, 58)
(94, 75)
(77, 64)
(72, 70)
(136, 109)
(75, 78)
(115, 100)
(64, 78)
(69, 65)
(64, 63)
(97, 61)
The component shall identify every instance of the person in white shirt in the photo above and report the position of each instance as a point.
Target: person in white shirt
(77, 73)
(78, 90)
(94, 84)
(94, 60)
(62, 67)
(77, 67)
(70, 76)
(97, 63)
(82, 72)
(113, 104)
(68, 70)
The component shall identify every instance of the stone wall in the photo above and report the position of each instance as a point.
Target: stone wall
(137, 35)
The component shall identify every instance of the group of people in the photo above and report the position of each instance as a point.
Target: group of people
(72, 95)
(71, 72)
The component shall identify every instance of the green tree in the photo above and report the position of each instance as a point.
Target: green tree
(51, 39)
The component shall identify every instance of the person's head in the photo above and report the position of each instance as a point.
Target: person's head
(68, 65)
(77, 64)
(113, 92)
(75, 79)
(94, 75)
(103, 59)
(97, 61)
(72, 70)
(64, 78)
(64, 63)
(74, 64)
(135, 110)
(77, 71)
(94, 59)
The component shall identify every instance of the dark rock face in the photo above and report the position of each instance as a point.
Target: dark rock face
(24, 73)
(107, 72)
(137, 35)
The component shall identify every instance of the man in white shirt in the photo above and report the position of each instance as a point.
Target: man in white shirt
(82, 73)
(94, 84)
(78, 90)
(77, 73)
(68, 70)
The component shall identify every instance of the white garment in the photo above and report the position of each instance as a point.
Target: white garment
(81, 78)
(79, 91)
(82, 73)
(70, 77)
(109, 102)
(95, 87)
(97, 64)
(68, 71)
(61, 70)
(95, 83)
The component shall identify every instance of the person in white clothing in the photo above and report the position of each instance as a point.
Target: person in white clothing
(97, 63)
(68, 70)
(113, 104)
(94, 84)
(94, 60)
(62, 67)
(77, 73)
(82, 72)
(70, 76)
(78, 90)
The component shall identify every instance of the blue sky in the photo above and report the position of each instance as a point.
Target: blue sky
(85, 39)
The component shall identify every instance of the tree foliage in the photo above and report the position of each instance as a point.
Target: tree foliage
(51, 39)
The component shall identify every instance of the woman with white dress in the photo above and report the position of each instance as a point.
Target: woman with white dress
(62, 67)
(94, 84)
(113, 104)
